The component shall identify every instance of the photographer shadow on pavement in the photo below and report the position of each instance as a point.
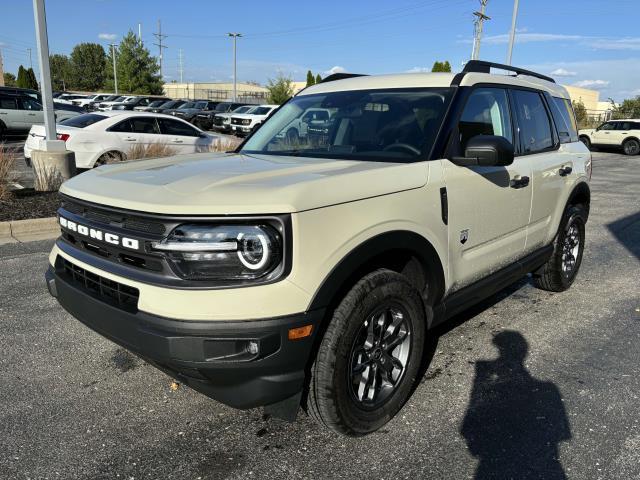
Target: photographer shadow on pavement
(514, 422)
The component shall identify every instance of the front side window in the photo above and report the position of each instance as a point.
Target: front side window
(30, 104)
(169, 126)
(534, 126)
(485, 113)
(395, 125)
(608, 126)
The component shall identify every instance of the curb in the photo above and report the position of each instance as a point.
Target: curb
(19, 231)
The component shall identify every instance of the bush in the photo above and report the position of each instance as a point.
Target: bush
(7, 156)
(153, 150)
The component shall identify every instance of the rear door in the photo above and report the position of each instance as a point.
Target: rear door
(135, 130)
(181, 136)
(488, 206)
(31, 111)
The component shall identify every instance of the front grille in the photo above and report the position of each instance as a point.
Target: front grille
(106, 217)
(108, 291)
(236, 121)
(217, 120)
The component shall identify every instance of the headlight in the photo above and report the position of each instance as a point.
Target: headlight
(246, 122)
(225, 252)
(117, 107)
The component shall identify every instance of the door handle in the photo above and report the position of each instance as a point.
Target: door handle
(607, 133)
(31, 114)
(565, 170)
(519, 181)
(129, 139)
(177, 140)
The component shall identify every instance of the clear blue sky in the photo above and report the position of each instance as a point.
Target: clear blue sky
(585, 42)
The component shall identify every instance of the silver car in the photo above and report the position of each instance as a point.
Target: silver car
(18, 113)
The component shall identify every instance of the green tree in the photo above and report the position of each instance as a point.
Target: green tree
(61, 72)
(441, 66)
(32, 81)
(138, 71)
(311, 80)
(87, 66)
(581, 113)
(9, 79)
(629, 108)
(280, 89)
(22, 81)
(318, 78)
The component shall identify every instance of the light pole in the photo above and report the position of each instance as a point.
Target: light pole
(235, 37)
(45, 73)
(512, 35)
(115, 74)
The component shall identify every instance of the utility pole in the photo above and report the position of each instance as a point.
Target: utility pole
(140, 32)
(160, 46)
(115, 74)
(235, 70)
(512, 35)
(1, 71)
(477, 28)
(30, 61)
(181, 71)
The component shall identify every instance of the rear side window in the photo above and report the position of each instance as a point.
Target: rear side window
(564, 119)
(533, 122)
(169, 126)
(486, 113)
(8, 103)
(82, 121)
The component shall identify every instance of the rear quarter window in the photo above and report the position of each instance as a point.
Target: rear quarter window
(565, 119)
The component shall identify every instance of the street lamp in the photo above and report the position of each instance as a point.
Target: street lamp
(235, 37)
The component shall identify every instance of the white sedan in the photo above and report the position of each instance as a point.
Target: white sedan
(98, 137)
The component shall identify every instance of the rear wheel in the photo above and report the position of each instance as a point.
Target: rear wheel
(3, 129)
(561, 269)
(631, 147)
(369, 356)
(109, 157)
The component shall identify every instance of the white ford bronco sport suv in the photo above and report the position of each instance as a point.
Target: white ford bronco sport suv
(310, 274)
(624, 134)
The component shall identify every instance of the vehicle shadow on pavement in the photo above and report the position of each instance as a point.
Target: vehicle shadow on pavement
(627, 232)
(514, 422)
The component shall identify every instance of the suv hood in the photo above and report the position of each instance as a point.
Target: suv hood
(241, 184)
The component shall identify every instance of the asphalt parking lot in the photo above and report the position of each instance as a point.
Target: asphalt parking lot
(559, 399)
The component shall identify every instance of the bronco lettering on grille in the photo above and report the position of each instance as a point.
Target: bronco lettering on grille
(111, 238)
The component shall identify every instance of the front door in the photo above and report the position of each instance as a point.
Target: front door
(604, 134)
(488, 206)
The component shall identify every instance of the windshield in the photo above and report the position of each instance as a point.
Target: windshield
(261, 110)
(245, 109)
(82, 121)
(200, 105)
(187, 105)
(157, 103)
(222, 107)
(398, 125)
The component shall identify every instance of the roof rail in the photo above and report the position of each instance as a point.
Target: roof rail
(481, 66)
(341, 76)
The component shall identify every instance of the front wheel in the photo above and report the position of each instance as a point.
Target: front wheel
(631, 147)
(369, 356)
(561, 269)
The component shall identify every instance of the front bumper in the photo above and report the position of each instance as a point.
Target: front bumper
(209, 356)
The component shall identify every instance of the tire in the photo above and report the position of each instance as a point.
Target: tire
(3, 129)
(333, 399)
(561, 269)
(631, 147)
(109, 158)
(586, 141)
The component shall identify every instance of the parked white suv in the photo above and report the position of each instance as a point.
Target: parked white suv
(624, 134)
(243, 124)
(310, 274)
(84, 102)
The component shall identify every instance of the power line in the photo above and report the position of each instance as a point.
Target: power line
(477, 28)
(160, 46)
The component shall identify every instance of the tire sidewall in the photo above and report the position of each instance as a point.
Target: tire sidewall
(574, 215)
(377, 292)
(628, 142)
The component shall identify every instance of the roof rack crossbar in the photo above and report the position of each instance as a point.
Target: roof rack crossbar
(482, 66)
(341, 76)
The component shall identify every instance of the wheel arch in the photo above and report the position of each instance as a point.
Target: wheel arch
(581, 194)
(402, 251)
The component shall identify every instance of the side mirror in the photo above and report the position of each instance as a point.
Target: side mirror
(486, 151)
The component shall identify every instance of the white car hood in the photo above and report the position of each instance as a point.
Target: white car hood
(241, 184)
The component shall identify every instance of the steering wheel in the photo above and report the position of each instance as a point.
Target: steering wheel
(406, 146)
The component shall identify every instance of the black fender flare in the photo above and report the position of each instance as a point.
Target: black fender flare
(581, 193)
(348, 271)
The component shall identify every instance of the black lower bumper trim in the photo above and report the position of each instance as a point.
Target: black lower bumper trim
(243, 364)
